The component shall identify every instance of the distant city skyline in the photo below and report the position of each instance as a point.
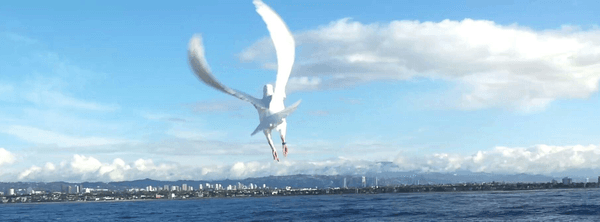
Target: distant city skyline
(101, 91)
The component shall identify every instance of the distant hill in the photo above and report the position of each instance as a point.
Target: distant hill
(299, 181)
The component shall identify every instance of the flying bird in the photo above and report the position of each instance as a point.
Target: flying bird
(271, 109)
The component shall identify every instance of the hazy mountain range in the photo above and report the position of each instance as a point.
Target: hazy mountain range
(301, 181)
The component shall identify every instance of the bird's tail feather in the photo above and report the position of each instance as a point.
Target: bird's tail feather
(276, 118)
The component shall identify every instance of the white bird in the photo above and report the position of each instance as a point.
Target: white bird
(271, 109)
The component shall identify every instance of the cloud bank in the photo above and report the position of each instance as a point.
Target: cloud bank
(539, 159)
(491, 65)
(6, 157)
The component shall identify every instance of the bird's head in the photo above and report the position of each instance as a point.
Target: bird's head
(267, 90)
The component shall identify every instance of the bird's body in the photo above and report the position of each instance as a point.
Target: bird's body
(271, 108)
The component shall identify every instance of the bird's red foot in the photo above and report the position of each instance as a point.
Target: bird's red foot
(275, 156)
(285, 150)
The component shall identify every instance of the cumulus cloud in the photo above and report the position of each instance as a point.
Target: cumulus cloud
(491, 65)
(87, 168)
(6, 157)
(539, 159)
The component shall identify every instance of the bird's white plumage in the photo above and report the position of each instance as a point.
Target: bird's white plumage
(284, 47)
(271, 109)
(202, 70)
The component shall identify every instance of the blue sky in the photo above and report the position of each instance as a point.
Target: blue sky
(103, 91)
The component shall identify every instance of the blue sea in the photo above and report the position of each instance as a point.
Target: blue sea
(546, 205)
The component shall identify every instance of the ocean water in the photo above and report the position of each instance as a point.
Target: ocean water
(546, 205)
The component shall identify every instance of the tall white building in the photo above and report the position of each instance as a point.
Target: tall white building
(184, 187)
(200, 186)
(567, 181)
(11, 192)
(364, 181)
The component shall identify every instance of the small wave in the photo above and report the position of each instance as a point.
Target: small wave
(583, 210)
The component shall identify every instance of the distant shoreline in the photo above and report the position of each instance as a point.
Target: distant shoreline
(121, 196)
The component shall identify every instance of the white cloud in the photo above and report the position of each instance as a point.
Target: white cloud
(87, 168)
(303, 84)
(318, 113)
(492, 65)
(40, 136)
(19, 38)
(6, 157)
(193, 134)
(539, 159)
(58, 99)
(218, 106)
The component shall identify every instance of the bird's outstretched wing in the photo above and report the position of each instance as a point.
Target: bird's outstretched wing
(284, 45)
(275, 118)
(200, 67)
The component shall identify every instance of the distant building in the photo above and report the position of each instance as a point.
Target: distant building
(166, 187)
(11, 192)
(200, 187)
(184, 187)
(78, 189)
(364, 181)
(567, 181)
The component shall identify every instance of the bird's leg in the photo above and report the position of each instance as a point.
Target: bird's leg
(270, 140)
(285, 147)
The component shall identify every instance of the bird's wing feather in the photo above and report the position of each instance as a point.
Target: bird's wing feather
(284, 45)
(275, 118)
(201, 69)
